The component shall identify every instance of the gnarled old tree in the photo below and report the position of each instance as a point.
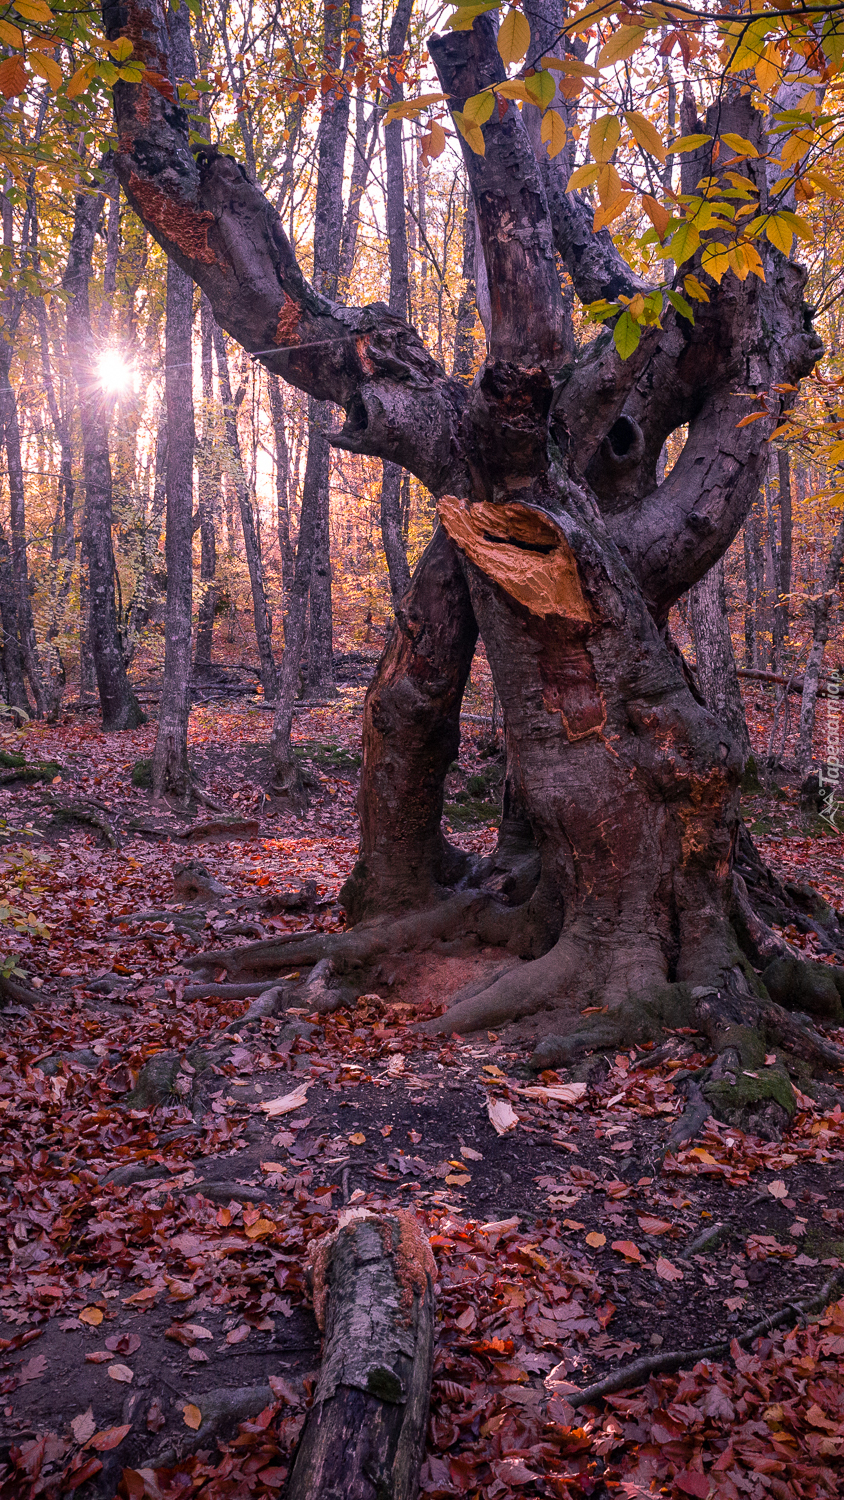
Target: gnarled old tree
(615, 880)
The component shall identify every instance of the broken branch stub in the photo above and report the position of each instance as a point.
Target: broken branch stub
(373, 1295)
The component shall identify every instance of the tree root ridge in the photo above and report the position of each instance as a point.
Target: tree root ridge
(640, 1370)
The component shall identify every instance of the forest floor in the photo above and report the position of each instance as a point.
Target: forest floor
(153, 1296)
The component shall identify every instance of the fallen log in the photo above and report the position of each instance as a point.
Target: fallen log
(373, 1294)
(794, 684)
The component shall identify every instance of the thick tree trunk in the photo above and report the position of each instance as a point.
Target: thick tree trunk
(716, 663)
(170, 769)
(120, 708)
(364, 1437)
(254, 562)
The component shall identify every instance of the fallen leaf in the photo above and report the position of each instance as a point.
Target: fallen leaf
(573, 1224)
(502, 1116)
(83, 1427)
(778, 1189)
(259, 1228)
(500, 1226)
(396, 1064)
(692, 1482)
(649, 1225)
(595, 1239)
(467, 1319)
(98, 1356)
(469, 1154)
(357, 1139)
(560, 1093)
(628, 1250)
(192, 1416)
(273, 1166)
(121, 1373)
(91, 1315)
(286, 1103)
(123, 1343)
(155, 1416)
(109, 1438)
(237, 1335)
(666, 1271)
(33, 1369)
(458, 1179)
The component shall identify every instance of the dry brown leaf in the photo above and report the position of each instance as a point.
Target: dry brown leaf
(83, 1427)
(259, 1228)
(666, 1271)
(109, 1438)
(573, 1224)
(91, 1315)
(357, 1139)
(500, 1226)
(458, 1179)
(469, 1154)
(502, 1116)
(121, 1373)
(560, 1093)
(650, 1225)
(629, 1250)
(778, 1189)
(237, 1335)
(192, 1416)
(273, 1166)
(595, 1239)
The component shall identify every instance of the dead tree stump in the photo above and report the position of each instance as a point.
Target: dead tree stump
(373, 1296)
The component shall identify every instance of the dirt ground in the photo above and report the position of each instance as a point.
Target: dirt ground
(156, 1330)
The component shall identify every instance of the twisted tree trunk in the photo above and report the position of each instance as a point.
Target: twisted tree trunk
(613, 879)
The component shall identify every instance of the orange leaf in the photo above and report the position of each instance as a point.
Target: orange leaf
(109, 1438)
(92, 1315)
(13, 79)
(596, 1240)
(628, 1250)
(192, 1416)
(755, 416)
(666, 1271)
(650, 1225)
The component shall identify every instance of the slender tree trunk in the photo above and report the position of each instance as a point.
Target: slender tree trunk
(391, 529)
(819, 610)
(786, 533)
(209, 484)
(464, 343)
(282, 487)
(17, 516)
(170, 768)
(749, 598)
(261, 614)
(12, 655)
(716, 663)
(120, 708)
(772, 577)
(63, 555)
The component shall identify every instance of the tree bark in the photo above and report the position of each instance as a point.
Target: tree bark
(209, 487)
(464, 343)
(786, 532)
(364, 1437)
(391, 530)
(17, 515)
(254, 562)
(119, 706)
(819, 608)
(282, 488)
(716, 663)
(170, 768)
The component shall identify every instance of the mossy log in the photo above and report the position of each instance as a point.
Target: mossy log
(373, 1294)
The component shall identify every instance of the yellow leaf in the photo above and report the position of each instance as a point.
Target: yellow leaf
(755, 416)
(407, 109)
(745, 260)
(644, 134)
(657, 213)
(739, 144)
(513, 37)
(768, 69)
(192, 1416)
(636, 306)
(515, 89)
(570, 65)
(596, 1240)
(684, 242)
(553, 132)
(623, 43)
(121, 49)
(471, 133)
(609, 186)
(582, 177)
(604, 216)
(478, 109)
(692, 287)
(46, 67)
(35, 10)
(604, 135)
(779, 233)
(822, 181)
(81, 80)
(689, 142)
(92, 1316)
(10, 34)
(715, 260)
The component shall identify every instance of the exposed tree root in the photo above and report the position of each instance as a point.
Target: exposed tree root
(640, 1370)
(18, 993)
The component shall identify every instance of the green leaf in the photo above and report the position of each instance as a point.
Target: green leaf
(684, 243)
(626, 335)
(689, 142)
(680, 305)
(542, 88)
(739, 143)
(464, 18)
(478, 109)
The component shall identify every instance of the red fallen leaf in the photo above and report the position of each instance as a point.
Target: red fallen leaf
(123, 1343)
(109, 1438)
(629, 1250)
(135, 1484)
(273, 1478)
(155, 1416)
(72, 1481)
(97, 1356)
(651, 1225)
(692, 1482)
